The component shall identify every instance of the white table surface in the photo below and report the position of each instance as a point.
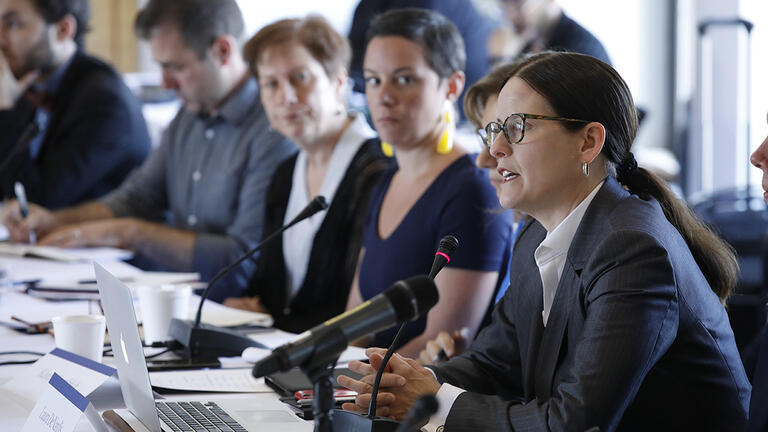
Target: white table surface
(16, 303)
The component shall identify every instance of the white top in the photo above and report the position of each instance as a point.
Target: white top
(297, 241)
(550, 258)
(551, 253)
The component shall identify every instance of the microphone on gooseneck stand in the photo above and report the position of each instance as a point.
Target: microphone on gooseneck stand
(352, 421)
(447, 247)
(403, 301)
(317, 350)
(424, 408)
(206, 341)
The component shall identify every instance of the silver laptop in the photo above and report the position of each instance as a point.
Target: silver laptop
(257, 412)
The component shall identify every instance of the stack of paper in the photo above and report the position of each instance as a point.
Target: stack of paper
(65, 254)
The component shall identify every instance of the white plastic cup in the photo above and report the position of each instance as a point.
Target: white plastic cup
(159, 305)
(81, 334)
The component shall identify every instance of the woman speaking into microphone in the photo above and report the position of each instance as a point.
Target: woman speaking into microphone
(614, 317)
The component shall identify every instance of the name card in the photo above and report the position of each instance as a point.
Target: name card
(82, 374)
(58, 410)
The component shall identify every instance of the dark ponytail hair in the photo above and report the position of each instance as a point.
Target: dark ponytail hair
(583, 87)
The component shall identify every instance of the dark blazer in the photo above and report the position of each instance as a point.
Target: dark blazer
(568, 35)
(758, 408)
(96, 135)
(335, 249)
(636, 339)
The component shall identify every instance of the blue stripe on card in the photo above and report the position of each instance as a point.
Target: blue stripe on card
(69, 392)
(85, 362)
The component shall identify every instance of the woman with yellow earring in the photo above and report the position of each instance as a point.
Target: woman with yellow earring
(413, 71)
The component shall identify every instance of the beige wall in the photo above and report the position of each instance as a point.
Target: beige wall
(111, 37)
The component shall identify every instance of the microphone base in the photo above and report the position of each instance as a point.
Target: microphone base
(348, 421)
(208, 341)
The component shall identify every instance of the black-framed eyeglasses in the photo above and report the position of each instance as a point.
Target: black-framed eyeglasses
(514, 127)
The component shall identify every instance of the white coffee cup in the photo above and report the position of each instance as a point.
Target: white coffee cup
(80, 334)
(158, 304)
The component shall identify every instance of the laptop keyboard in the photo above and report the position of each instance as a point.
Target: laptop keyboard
(196, 416)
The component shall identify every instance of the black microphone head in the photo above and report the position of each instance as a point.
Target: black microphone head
(318, 203)
(448, 245)
(268, 365)
(412, 297)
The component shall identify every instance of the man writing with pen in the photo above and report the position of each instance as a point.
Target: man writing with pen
(72, 131)
(196, 204)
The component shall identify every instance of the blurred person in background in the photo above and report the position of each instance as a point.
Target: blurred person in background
(413, 72)
(538, 25)
(71, 129)
(197, 203)
(303, 278)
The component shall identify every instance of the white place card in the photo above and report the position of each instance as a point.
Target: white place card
(58, 410)
(84, 375)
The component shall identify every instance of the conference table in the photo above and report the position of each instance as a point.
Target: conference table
(14, 302)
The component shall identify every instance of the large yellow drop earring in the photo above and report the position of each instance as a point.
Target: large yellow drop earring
(387, 149)
(445, 144)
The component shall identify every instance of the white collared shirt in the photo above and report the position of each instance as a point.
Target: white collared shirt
(550, 258)
(551, 254)
(297, 241)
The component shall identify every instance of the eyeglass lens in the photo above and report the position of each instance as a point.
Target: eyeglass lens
(514, 126)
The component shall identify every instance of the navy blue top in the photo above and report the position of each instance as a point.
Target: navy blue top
(460, 202)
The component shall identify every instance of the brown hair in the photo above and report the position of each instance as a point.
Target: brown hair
(583, 87)
(314, 33)
(490, 85)
(199, 21)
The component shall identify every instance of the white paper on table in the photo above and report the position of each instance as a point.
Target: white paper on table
(223, 316)
(60, 289)
(83, 374)
(64, 254)
(272, 338)
(210, 380)
(252, 354)
(28, 269)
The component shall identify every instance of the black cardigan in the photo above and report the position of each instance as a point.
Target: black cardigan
(335, 248)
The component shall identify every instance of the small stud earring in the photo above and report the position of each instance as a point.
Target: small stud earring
(585, 169)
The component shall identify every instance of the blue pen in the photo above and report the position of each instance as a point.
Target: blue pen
(21, 195)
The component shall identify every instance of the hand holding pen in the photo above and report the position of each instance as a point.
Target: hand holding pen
(21, 195)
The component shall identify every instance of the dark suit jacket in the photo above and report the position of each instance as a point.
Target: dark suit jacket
(636, 339)
(335, 248)
(95, 136)
(758, 408)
